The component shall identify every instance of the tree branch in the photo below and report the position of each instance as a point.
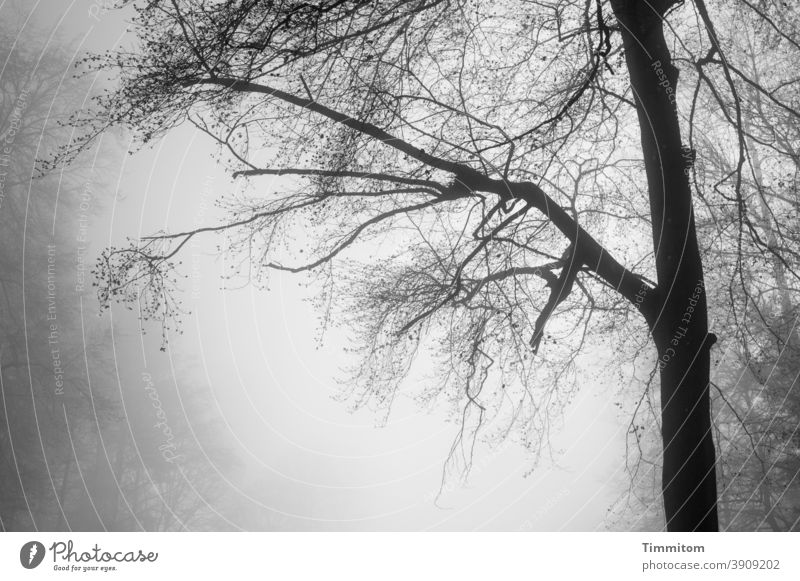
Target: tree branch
(588, 250)
(341, 173)
(559, 291)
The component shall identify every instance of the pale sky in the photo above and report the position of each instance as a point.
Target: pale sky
(311, 464)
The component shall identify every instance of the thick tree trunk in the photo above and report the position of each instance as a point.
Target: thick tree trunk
(689, 472)
(680, 327)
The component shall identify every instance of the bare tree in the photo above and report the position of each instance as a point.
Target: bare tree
(750, 246)
(483, 155)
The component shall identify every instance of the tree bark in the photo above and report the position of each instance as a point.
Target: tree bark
(680, 327)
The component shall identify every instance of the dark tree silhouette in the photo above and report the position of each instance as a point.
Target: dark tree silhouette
(483, 156)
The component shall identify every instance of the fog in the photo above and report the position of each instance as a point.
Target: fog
(236, 420)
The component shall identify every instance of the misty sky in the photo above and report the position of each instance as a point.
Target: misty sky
(307, 461)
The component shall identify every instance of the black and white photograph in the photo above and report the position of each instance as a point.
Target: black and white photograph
(351, 269)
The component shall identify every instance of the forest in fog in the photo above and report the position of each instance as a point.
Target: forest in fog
(492, 214)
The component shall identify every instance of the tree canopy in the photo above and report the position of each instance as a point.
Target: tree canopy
(499, 184)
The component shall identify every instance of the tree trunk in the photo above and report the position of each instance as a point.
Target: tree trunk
(680, 327)
(689, 471)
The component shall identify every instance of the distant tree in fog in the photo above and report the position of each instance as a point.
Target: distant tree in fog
(69, 459)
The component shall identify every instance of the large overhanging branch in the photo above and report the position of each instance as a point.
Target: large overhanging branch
(242, 86)
(588, 251)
